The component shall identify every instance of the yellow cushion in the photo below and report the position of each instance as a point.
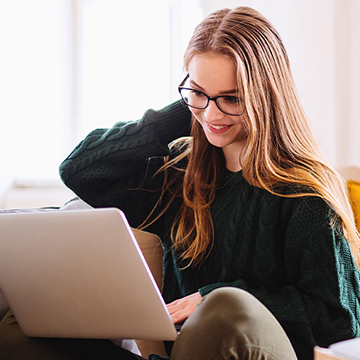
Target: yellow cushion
(354, 196)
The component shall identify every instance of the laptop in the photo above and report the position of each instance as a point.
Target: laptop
(79, 274)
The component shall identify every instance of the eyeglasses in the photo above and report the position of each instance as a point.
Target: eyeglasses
(229, 105)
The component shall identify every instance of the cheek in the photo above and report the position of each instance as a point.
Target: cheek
(245, 128)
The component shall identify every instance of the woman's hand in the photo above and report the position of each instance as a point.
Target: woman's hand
(181, 309)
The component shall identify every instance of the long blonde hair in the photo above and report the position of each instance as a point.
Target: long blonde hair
(280, 148)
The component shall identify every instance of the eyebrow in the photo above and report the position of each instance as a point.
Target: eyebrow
(233, 91)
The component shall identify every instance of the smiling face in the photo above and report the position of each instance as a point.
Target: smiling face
(215, 75)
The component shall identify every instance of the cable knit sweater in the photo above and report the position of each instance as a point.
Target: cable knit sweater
(281, 250)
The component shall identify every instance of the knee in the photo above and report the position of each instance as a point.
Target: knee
(234, 301)
(230, 307)
(229, 295)
(232, 319)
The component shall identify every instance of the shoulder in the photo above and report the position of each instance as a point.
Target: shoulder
(312, 224)
(298, 199)
(299, 212)
(310, 212)
(306, 209)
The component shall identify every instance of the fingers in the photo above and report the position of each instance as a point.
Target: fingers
(181, 309)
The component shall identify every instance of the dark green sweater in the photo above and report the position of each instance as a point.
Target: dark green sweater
(281, 250)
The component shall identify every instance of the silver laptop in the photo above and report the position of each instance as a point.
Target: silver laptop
(79, 274)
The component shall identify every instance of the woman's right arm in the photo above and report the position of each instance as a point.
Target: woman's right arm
(109, 162)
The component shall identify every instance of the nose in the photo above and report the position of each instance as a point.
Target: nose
(212, 112)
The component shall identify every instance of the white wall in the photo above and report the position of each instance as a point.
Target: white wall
(34, 85)
(47, 58)
(69, 66)
(322, 38)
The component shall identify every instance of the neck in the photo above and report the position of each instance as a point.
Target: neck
(233, 158)
(233, 167)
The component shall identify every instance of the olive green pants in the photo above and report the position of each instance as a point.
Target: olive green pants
(228, 324)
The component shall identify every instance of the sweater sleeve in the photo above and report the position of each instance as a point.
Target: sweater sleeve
(106, 167)
(320, 304)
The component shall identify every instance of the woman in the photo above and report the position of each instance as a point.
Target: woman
(260, 246)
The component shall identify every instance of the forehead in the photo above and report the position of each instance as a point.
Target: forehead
(214, 73)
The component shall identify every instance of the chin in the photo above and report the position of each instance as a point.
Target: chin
(220, 143)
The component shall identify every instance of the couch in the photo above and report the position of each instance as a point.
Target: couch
(352, 176)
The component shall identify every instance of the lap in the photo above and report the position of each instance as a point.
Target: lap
(228, 323)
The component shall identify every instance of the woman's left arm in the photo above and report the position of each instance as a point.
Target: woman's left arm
(321, 303)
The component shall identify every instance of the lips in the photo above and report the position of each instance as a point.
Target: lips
(218, 129)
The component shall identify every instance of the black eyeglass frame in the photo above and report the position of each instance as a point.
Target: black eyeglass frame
(209, 98)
